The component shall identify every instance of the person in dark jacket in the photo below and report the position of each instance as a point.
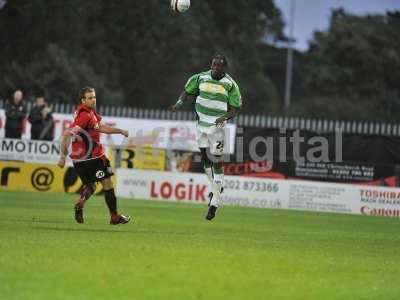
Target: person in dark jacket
(15, 115)
(41, 119)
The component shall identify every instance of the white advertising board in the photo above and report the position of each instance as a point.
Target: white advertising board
(265, 193)
(29, 151)
(194, 187)
(162, 134)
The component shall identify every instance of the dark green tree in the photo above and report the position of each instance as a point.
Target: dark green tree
(352, 69)
(136, 53)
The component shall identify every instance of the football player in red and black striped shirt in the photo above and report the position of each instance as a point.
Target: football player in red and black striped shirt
(89, 159)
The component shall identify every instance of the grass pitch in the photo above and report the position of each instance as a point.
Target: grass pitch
(171, 252)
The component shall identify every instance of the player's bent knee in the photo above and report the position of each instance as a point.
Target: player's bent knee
(91, 187)
(87, 190)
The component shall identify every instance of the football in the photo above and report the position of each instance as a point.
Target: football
(180, 5)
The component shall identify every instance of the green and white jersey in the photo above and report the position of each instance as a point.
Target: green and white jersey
(213, 96)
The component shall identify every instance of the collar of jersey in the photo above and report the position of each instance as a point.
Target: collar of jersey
(84, 107)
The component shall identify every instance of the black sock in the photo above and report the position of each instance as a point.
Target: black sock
(111, 201)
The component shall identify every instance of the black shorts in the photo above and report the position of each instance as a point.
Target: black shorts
(93, 170)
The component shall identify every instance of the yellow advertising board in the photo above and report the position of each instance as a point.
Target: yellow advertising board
(39, 177)
(141, 158)
(19, 176)
(31, 177)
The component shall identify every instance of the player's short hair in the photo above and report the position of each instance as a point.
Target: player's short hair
(222, 58)
(83, 91)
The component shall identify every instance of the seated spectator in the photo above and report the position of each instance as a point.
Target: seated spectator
(15, 115)
(41, 119)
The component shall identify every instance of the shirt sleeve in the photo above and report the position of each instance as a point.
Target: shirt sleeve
(192, 85)
(81, 121)
(234, 96)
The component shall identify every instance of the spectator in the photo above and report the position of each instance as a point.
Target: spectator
(15, 115)
(41, 119)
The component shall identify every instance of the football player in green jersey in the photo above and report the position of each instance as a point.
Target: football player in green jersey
(218, 99)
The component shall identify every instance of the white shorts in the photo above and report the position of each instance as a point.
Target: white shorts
(213, 138)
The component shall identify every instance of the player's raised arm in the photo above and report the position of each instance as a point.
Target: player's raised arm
(112, 130)
(189, 93)
(183, 98)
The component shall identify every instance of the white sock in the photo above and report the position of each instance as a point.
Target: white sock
(216, 189)
(219, 178)
(209, 174)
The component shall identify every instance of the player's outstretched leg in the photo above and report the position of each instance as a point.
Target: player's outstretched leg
(217, 189)
(208, 170)
(111, 201)
(207, 164)
(85, 193)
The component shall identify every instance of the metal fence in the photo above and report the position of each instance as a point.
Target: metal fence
(245, 120)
